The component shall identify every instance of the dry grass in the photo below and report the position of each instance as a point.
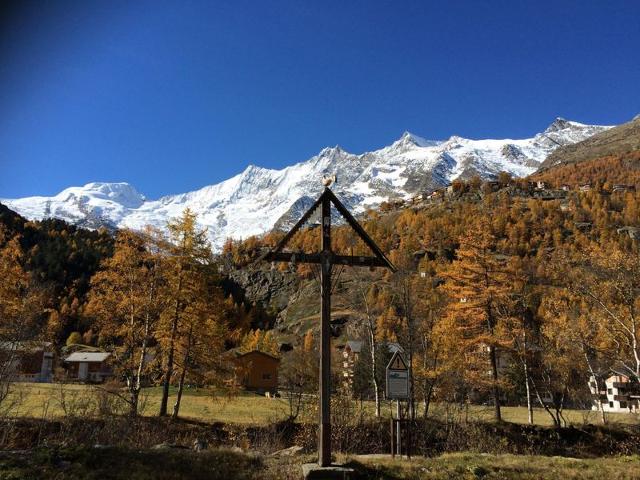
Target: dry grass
(43, 401)
(118, 463)
(471, 466)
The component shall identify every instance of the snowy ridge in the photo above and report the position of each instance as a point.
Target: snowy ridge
(258, 199)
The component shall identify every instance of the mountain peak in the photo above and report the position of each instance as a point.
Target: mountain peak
(119, 192)
(408, 140)
(561, 124)
(329, 151)
(408, 137)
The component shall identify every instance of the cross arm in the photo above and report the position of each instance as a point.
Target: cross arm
(295, 228)
(355, 261)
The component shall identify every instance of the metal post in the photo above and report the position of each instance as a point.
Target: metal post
(324, 434)
(399, 427)
(393, 443)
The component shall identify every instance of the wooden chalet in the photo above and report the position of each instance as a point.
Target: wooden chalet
(257, 371)
(90, 367)
(27, 361)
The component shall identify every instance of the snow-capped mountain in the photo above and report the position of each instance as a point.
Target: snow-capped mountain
(258, 199)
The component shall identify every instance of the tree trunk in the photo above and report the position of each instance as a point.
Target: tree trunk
(496, 391)
(176, 406)
(527, 380)
(376, 387)
(185, 360)
(371, 330)
(528, 389)
(595, 396)
(169, 371)
(133, 402)
(427, 397)
(556, 421)
(493, 358)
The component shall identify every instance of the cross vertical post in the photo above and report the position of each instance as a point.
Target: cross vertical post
(324, 433)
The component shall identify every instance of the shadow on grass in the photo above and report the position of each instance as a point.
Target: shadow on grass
(118, 463)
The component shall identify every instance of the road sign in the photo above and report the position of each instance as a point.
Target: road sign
(397, 378)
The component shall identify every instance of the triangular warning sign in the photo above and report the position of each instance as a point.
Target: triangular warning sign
(397, 362)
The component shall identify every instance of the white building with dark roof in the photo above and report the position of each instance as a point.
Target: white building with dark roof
(88, 366)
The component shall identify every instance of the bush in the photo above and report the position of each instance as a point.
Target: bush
(74, 339)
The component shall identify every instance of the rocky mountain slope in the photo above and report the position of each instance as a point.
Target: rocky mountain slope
(258, 199)
(618, 140)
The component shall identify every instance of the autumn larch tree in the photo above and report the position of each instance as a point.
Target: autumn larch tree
(201, 336)
(125, 301)
(21, 305)
(186, 252)
(477, 285)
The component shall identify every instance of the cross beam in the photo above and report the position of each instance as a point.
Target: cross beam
(326, 259)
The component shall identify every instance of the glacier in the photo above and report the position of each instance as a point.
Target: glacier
(259, 199)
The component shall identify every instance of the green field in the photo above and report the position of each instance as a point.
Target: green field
(46, 401)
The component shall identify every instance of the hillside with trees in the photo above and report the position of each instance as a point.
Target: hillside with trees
(506, 292)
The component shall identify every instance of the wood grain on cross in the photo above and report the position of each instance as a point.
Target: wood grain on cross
(326, 259)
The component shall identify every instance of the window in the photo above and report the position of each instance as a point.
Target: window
(610, 391)
(266, 376)
(623, 404)
(611, 404)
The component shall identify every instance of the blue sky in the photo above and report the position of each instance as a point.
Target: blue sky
(174, 95)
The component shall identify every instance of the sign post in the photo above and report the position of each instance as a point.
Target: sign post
(397, 375)
(326, 258)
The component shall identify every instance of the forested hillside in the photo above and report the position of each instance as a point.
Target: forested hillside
(603, 172)
(527, 289)
(503, 288)
(61, 260)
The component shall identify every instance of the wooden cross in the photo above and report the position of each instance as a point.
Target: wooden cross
(326, 259)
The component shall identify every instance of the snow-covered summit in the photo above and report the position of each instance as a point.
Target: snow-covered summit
(257, 199)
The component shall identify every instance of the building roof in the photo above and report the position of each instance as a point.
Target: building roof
(88, 357)
(394, 347)
(354, 345)
(240, 355)
(26, 346)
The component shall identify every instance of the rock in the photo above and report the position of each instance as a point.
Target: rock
(161, 446)
(167, 445)
(288, 452)
(199, 445)
(311, 471)
(263, 285)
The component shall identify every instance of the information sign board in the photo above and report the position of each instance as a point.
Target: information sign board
(397, 378)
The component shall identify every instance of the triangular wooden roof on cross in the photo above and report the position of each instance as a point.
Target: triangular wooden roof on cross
(378, 259)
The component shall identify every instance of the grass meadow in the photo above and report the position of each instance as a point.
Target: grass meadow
(206, 405)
